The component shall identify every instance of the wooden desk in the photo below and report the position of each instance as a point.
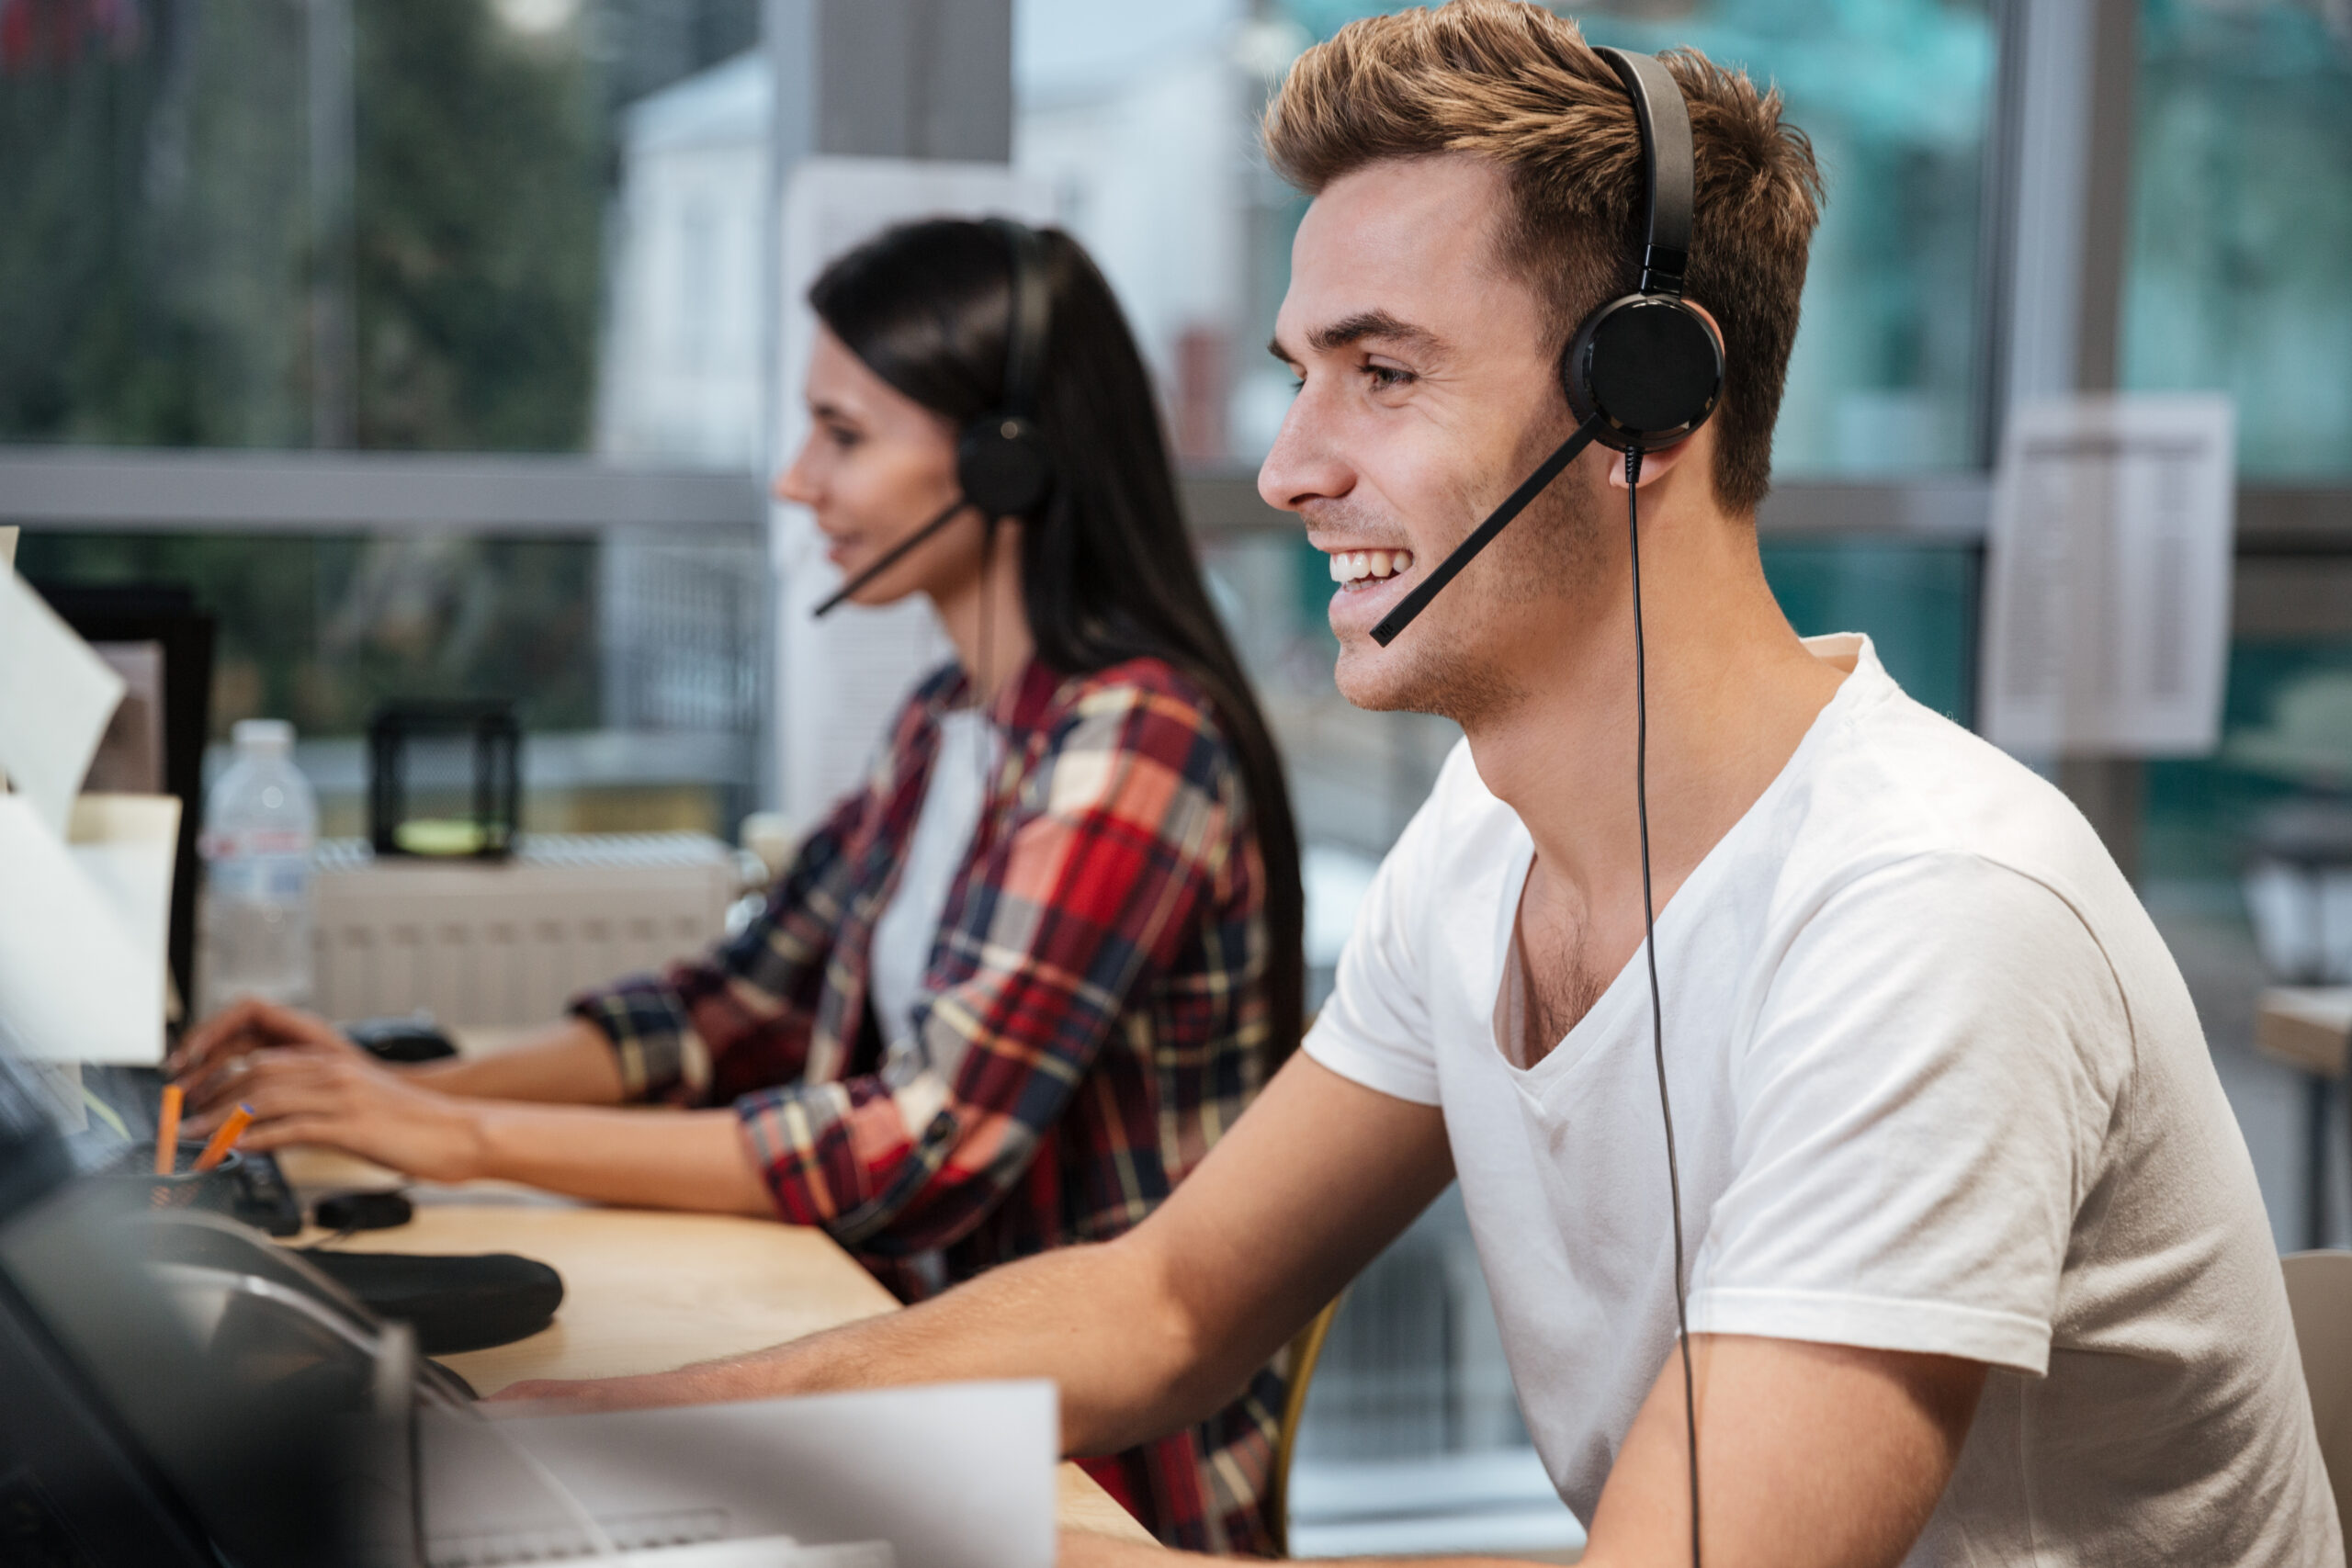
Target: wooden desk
(645, 1290)
(2305, 1026)
(2310, 1028)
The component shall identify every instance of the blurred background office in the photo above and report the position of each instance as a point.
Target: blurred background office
(432, 344)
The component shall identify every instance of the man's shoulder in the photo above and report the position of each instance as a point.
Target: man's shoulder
(1899, 781)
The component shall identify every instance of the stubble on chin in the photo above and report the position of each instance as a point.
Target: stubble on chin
(1455, 661)
(1431, 668)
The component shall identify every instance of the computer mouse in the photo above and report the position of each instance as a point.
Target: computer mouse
(415, 1038)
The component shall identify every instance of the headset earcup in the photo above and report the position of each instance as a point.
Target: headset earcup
(1649, 365)
(1003, 466)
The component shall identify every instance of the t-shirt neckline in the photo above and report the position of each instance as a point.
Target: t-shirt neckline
(1598, 1023)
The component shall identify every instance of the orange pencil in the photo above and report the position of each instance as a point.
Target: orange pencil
(225, 1138)
(167, 1131)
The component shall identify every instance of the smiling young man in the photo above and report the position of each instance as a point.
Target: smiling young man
(1978, 1270)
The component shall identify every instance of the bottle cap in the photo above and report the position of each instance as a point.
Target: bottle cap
(262, 734)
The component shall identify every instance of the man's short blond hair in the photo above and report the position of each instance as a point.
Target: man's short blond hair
(1509, 81)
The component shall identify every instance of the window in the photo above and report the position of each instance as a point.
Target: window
(416, 225)
(1916, 602)
(2240, 222)
(372, 223)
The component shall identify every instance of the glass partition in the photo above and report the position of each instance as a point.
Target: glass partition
(2236, 277)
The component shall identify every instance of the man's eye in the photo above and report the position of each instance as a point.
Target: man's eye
(1384, 377)
(844, 439)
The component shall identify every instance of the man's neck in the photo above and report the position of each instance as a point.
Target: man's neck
(1731, 693)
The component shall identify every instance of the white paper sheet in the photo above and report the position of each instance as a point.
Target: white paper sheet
(84, 927)
(55, 698)
(2107, 577)
(839, 680)
(958, 1475)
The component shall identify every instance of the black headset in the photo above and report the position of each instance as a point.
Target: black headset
(1642, 372)
(1002, 466)
(1646, 369)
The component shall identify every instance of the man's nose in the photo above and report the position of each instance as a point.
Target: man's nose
(1306, 462)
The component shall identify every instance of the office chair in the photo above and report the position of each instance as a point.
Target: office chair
(2319, 1293)
(1305, 1349)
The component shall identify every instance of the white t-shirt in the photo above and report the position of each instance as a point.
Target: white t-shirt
(908, 929)
(1937, 1086)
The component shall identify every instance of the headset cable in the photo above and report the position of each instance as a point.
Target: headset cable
(1649, 950)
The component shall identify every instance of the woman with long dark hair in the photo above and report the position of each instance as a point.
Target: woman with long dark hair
(1009, 993)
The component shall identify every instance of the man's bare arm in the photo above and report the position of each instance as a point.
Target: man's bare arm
(1158, 1328)
(1827, 1455)
(1821, 1455)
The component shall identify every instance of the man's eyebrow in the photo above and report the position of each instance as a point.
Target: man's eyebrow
(1363, 325)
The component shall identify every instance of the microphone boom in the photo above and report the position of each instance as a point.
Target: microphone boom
(1413, 603)
(890, 557)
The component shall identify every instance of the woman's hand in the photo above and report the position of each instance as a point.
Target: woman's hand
(305, 1083)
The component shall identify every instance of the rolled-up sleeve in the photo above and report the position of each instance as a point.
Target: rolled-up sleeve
(1098, 887)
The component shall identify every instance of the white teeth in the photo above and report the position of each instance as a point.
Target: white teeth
(1355, 566)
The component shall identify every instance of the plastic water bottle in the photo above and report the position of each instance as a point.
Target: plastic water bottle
(261, 824)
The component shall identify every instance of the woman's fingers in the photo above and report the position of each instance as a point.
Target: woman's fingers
(341, 1099)
(217, 1090)
(250, 1022)
(264, 1137)
(262, 1084)
(216, 1037)
(292, 1026)
(211, 1059)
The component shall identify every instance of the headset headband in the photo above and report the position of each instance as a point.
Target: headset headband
(1668, 169)
(1027, 309)
(1002, 466)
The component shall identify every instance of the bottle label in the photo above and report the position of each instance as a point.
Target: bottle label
(260, 865)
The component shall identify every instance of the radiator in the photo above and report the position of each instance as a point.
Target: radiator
(478, 944)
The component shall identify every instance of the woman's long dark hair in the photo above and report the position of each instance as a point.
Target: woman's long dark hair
(1107, 572)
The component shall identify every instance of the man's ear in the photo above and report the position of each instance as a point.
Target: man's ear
(1656, 463)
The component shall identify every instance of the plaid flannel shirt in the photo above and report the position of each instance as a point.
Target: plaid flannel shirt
(1099, 976)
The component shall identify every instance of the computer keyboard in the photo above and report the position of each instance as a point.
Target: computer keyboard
(125, 1103)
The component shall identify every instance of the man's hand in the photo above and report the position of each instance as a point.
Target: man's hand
(575, 1395)
(1084, 1548)
(307, 1084)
